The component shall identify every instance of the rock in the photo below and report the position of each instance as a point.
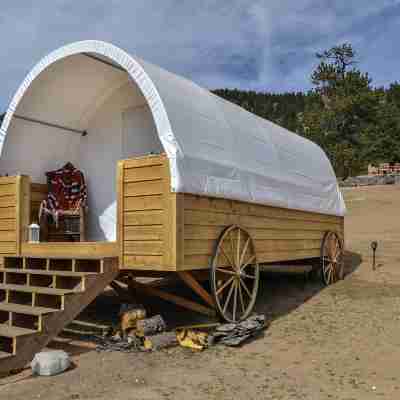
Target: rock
(49, 363)
(236, 334)
(150, 326)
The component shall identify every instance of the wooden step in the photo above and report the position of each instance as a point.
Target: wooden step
(38, 289)
(50, 273)
(14, 331)
(29, 310)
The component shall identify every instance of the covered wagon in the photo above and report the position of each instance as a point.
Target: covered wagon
(179, 182)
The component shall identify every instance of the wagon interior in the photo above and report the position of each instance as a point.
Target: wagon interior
(91, 119)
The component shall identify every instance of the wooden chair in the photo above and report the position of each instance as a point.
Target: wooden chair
(70, 227)
(69, 222)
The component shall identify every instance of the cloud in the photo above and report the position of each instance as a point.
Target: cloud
(250, 44)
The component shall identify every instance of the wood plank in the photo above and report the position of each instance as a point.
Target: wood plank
(193, 262)
(8, 236)
(142, 203)
(196, 287)
(143, 262)
(7, 189)
(169, 223)
(144, 161)
(38, 197)
(146, 232)
(264, 222)
(23, 210)
(193, 247)
(7, 180)
(207, 218)
(120, 211)
(143, 218)
(7, 201)
(180, 301)
(14, 331)
(143, 188)
(7, 213)
(84, 250)
(8, 224)
(196, 262)
(8, 248)
(144, 247)
(229, 206)
(179, 230)
(287, 255)
(199, 232)
(39, 188)
(199, 217)
(23, 309)
(147, 173)
(37, 289)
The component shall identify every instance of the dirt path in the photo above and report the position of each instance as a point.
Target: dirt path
(341, 342)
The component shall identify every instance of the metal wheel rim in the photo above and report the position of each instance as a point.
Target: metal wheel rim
(332, 258)
(235, 295)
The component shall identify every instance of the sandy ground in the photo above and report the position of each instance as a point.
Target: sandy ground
(341, 342)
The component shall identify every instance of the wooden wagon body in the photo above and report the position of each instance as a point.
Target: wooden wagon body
(164, 231)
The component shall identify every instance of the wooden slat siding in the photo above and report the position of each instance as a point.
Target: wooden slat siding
(8, 216)
(279, 234)
(209, 218)
(193, 202)
(206, 247)
(193, 262)
(25, 205)
(143, 217)
(120, 213)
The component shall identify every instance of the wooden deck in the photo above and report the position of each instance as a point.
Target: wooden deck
(83, 250)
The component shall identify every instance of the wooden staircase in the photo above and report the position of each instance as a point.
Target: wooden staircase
(40, 296)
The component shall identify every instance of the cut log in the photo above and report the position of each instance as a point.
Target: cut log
(160, 341)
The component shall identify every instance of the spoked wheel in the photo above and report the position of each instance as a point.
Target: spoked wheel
(331, 258)
(235, 274)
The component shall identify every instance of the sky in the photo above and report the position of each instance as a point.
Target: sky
(263, 45)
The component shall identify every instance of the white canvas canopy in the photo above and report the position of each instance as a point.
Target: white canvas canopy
(128, 108)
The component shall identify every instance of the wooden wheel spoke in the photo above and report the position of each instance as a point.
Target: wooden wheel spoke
(225, 271)
(227, 257)
(245, 287)
(225, 285)
(235, 296)
(241, 298)
(252, 258)
(238, 249)
(229, 296)
(232, 248)
(243, 275)
(244, 251)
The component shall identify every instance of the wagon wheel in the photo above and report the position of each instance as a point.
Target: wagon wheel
(234, 274)
(331, 258)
